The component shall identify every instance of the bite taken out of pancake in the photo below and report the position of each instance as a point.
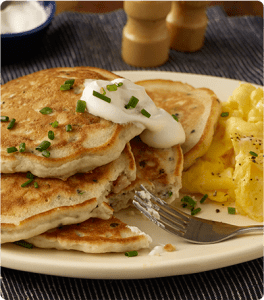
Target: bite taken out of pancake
(159, 170)
(197, 109)
(29, 211)
(93, 141)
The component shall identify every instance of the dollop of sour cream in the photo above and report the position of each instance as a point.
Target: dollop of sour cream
(160, 130)
(21, 16)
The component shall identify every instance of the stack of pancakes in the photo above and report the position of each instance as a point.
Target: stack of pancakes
(94, 169)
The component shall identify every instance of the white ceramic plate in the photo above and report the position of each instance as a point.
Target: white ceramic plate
(188, 258)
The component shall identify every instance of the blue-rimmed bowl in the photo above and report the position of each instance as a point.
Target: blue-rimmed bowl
(16, 46)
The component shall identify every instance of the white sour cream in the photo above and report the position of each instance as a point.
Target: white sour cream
(161, 130)
(22, 16)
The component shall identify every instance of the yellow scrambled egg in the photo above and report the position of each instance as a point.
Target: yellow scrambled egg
(232, 169)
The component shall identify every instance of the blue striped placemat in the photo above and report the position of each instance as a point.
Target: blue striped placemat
(233, 49)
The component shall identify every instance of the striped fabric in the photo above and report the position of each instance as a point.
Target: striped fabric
(233, 49)
(239, 282)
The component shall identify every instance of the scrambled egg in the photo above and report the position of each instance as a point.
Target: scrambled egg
(232, 169)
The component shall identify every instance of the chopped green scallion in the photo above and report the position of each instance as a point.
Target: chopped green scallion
(132, 102)
(69, 81)
(187, 200)
(80, 106)
(24, 244)
(51, 135)
(55, 124)
(203, 198)
(224, 114)
(145, 113)
(26, 183)
(231, 210)
(119, 84)
(175, 118)
(65, 87)
(36, 185)
(11, 150)
(43, 146)
(4, 118)
(45, 153)
(253, 153)
(22, 147)
(195, 211)
(111, 87)
(30, 175)
(131, 253)
(11, 124)
(102, 97)
(68, 128)
(46, 110)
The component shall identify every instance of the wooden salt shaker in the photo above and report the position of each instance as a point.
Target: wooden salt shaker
(146, 40)
(187, 22)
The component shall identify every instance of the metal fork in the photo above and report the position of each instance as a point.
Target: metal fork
(193, 229)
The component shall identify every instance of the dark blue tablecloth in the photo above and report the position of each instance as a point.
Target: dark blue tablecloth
(233, 49)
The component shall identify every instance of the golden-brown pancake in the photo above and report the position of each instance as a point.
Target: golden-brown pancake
(28, 211)
(94, 236)
(93, 141)
(198, 110)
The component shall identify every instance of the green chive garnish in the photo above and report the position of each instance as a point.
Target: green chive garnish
(187, 200)
(145, 113)
(43, 146)
(175, 118)
(11, 124)
(231, 210)
(111, 87)
(70, 82)
(4, 119)
(11, 149)
(80, 106)
(195, 211)
(68, 128)
(131, 253)
(24, 244)
(65, 87)
(132, 102)
(51, 135)
(102, 97)
(27, 183)
(30, 175)
(45, 153)
(55, 124)
(22, 147)
(224, 114)
(253, 153)
(120, 84)
(46, 110)
(203, 198)
(36, 185)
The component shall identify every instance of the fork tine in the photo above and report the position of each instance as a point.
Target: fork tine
(159, 223)
(167, 217)
(168, 207)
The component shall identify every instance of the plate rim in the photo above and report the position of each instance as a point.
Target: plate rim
(157, 266)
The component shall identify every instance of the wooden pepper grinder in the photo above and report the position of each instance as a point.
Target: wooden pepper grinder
(146, 40)
(187, 22)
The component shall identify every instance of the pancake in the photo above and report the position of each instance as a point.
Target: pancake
(198, 110)
(94, 236)
(93, 141)
(159, 170)
(29, 211)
